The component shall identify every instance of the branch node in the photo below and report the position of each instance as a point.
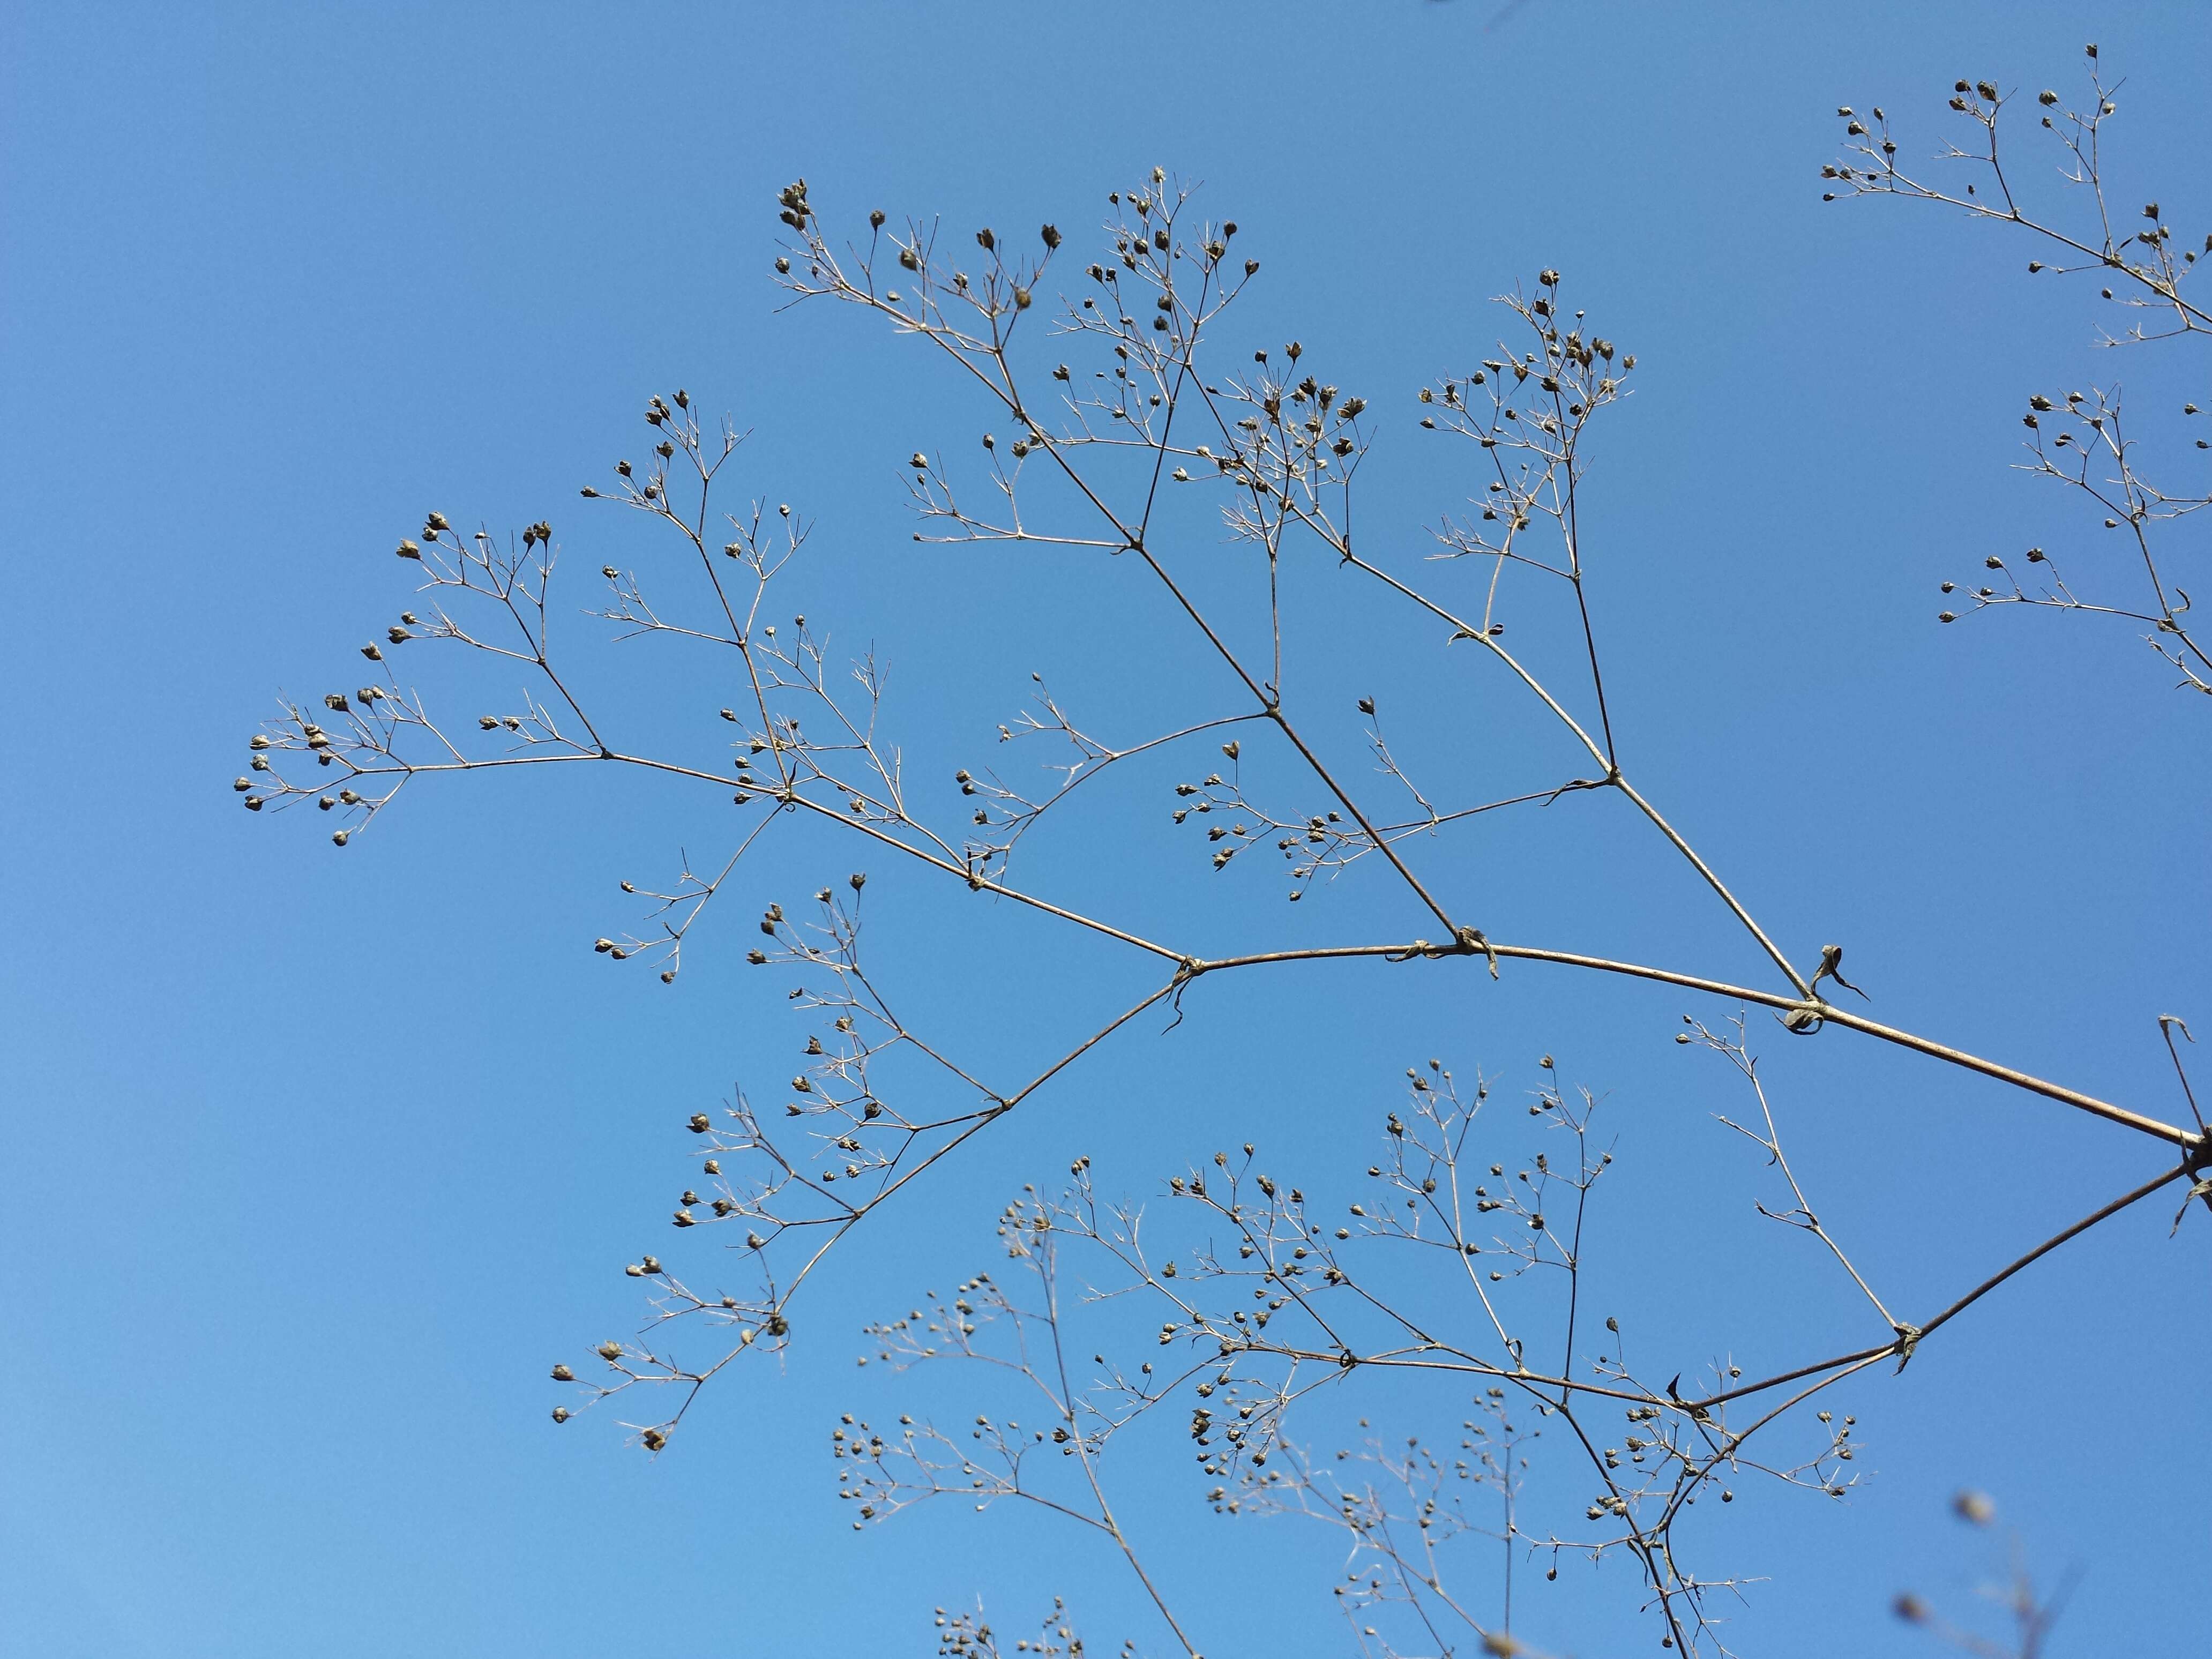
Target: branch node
(1471, 939)
(1908, 1339)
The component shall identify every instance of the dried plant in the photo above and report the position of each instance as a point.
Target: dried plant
(2075, 438)
(2032, 1614)
(1448, 1271)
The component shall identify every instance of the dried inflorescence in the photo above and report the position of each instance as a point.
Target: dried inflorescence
(1447, 1266)
(1267, 1311)
(2075, 438)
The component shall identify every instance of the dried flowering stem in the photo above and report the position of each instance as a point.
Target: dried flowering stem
(1276, 1309)
(1327, 1312)
(2076, 438)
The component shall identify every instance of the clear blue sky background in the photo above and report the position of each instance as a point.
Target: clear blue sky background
(313, 1162)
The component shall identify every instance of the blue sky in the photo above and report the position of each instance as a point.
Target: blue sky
(316, 1161)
